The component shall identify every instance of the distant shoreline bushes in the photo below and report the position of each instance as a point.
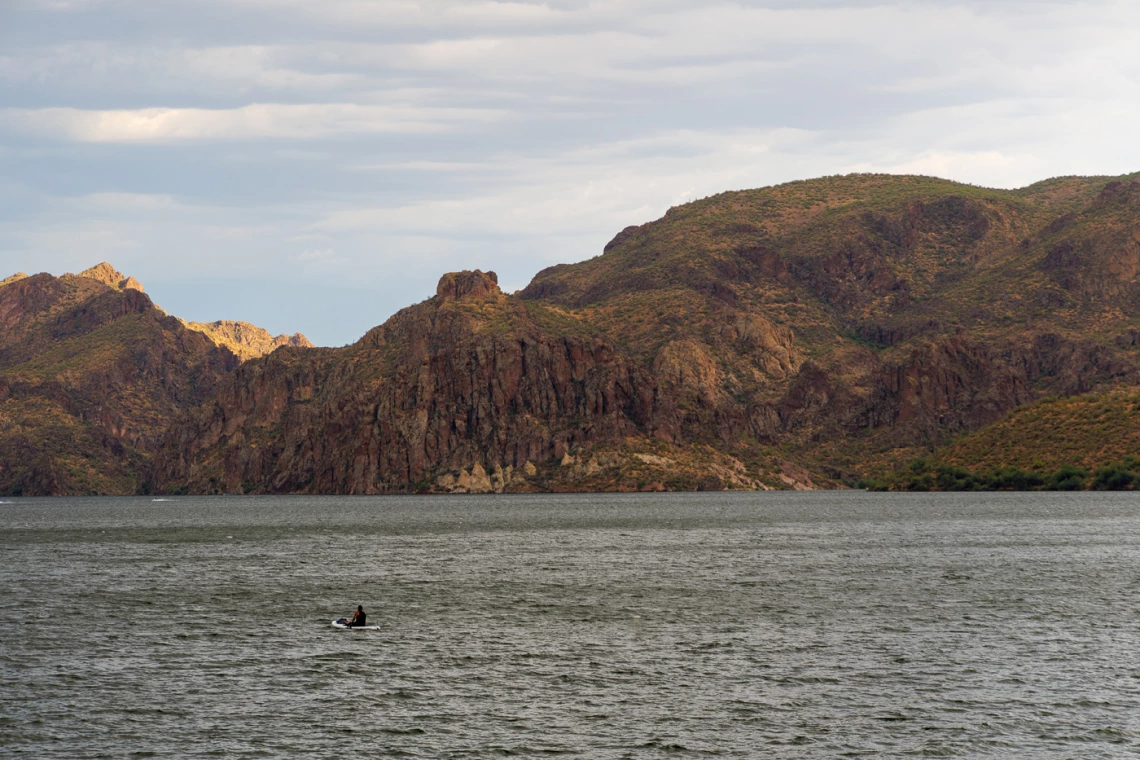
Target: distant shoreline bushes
(923, 475)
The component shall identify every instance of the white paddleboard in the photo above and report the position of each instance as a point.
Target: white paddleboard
(343, 623)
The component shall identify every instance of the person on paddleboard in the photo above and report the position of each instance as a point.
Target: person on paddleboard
(358, 618)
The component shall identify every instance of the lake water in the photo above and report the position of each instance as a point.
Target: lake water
(783, 625)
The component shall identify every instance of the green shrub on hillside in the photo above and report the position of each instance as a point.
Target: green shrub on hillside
(922, 475)
(957, 479)
(1118, 476)
(1013, 479)
(1068, 478)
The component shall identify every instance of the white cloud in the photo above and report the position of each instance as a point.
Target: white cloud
(602, 187)
(262, 120)
(399, 14)
(310, 254)
(64, 5)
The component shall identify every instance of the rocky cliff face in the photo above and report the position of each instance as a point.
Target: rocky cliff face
(463, 382)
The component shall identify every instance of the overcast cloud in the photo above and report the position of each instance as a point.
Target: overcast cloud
(316, 165)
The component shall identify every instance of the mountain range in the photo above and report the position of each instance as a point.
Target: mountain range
(92, 374)
(805, 335)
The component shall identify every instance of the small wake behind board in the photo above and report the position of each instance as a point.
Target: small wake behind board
(343, 623)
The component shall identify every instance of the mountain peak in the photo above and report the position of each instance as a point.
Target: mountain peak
(14, 278)
(455, 286)
(108, 275)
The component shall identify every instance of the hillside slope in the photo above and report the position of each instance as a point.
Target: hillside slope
(1089, 432)
(857, 316)
(1086, 441)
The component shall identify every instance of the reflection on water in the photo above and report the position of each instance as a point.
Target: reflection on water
(720, 625)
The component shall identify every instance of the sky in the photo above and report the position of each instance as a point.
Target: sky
(316, 165)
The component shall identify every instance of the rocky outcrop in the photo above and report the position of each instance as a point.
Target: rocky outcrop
(244, 340)
(458, 285)
(771, 347)
(858, 273)
(687, 371)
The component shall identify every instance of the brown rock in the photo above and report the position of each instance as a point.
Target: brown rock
(686, 367)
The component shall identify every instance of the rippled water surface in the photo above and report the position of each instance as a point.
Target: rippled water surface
(600, 626)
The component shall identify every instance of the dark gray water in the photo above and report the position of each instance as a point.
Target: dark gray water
(700, 625)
